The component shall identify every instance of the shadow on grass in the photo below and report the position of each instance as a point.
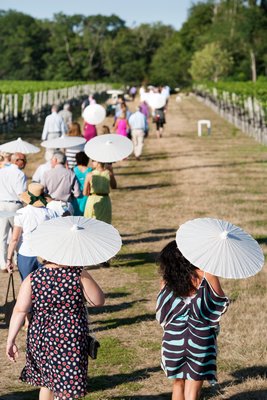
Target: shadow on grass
(114, 323)
(158, 231)
(250, 372)
(198, 166)
(148, 239)
(114, 307)
(161, 396)
(132, 260)
(117, 295)
(30, 395)
(240, 376)
(145, 187)
(105, 382)
(250, 395)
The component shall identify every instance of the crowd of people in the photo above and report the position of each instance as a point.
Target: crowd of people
(51, 298)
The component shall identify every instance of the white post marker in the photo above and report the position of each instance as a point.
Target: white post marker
(202, 122)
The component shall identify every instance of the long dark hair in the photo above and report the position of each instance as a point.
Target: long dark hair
(177, 272)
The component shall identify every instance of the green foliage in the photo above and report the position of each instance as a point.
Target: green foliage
(169, 64)
(211, 63)
(22, 87)
(98, 47)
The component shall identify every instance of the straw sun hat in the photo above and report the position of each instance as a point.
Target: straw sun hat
(35, 195)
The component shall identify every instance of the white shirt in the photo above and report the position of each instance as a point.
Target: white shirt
(39, 173)
(137, 121)
(13, 182)
(28, 218)
(67, 116)
(53, 123)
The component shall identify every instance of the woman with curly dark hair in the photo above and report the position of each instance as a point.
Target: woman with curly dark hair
(189, 306)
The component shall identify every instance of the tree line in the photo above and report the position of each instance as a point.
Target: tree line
(221, 39)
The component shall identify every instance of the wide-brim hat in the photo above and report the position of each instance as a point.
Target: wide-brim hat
(35, 195)
(220, 248)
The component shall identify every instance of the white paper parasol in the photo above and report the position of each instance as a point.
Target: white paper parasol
(75, 241)
(19, 146)
(156, 100)
(220, 248)
(109, 148)
(94, 114)
(63, 142)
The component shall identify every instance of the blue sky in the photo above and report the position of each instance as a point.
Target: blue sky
(172, 12)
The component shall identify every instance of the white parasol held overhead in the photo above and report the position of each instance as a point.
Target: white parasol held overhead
(94, 114)
(63, 142)
(220, 248)
(156, 100)
(19, 146)
(108, 148)
(75, 241)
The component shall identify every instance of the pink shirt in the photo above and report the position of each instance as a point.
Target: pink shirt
(122, 127)
(89, 131)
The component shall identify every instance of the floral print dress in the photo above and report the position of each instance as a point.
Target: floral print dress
(56, 354)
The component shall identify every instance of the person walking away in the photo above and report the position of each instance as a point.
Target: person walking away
(13, 182)
(57, 349)
(54, 127)
(144, 108)
(89, 131)
(81, 170)
(122, 126)
(70, 152)
(66, 114)
(25, 222)
(137, 124)
(189, 307)
(97, 186)
(159, 120)
(61, 184)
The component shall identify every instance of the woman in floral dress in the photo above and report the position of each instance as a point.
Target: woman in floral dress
(56, 354)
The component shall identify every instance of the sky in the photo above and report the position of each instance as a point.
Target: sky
(169, 12)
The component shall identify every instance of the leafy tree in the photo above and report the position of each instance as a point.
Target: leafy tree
(169, 64)
(22, 46)
(123, 61)
(211, 63)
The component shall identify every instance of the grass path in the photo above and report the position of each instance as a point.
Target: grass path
(180, 177)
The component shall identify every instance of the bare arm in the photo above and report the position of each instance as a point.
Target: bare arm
(87, 185)
(113, 182)
(17, 231)
(92, 292)
(215, 283)
(116, 125)
(21, 309)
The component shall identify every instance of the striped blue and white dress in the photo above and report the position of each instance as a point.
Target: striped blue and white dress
(190, 328)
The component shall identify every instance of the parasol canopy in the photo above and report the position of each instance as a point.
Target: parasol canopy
(75, 241)
(220, 248)
(19, 146)
(63, 142)
(108, 148)
(94, 114)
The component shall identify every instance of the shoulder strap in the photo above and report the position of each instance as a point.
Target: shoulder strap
(10, 282)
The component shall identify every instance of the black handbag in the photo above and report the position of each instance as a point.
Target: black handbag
(9, 305)
(93, 346)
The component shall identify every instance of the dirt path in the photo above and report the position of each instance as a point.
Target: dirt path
(180, 177)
